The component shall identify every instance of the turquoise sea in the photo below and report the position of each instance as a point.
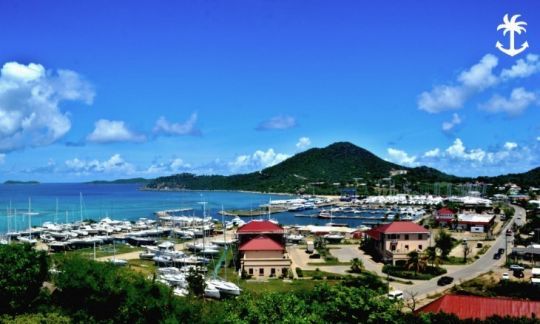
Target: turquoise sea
(125, 202)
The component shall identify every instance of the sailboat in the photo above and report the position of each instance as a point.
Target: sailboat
(114, 260)
(29, 239)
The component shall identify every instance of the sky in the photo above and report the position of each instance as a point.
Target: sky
(116, 89)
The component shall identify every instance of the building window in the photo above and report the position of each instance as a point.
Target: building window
(273, 272)
(392, 247)
(250, 271)
(406, 236)
(420, 236)
(261, 271)
(420, 247)
(407, 247)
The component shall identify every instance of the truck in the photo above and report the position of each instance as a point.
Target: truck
(310, 247)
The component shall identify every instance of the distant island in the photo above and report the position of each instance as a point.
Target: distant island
(328, 170)
(14, 182)
(121, 181)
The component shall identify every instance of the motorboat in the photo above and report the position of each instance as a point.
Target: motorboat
(295, 238)
(180, 292)
(225, 287)
(118, 262)
(27, 240)
(211, 291)
(334, 238)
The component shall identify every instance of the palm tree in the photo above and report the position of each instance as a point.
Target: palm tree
(512, 26)
(433, 256)
(416, 262)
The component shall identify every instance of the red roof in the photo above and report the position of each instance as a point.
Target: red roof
(261, 243)
(445, 211)
(396, 228)
(260, 227)
(482, 307)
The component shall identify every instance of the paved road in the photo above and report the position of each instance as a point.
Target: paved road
(482, 265)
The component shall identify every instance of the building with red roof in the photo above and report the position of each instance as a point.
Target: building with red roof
(256, 228)
(469, 307)
(395, 240)
(262, 249)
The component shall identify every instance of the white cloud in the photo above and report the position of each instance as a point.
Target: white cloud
(186, 128)
(432, 153)
(277, 122)
(257, 161)
(30, 97)
(448, 126)
(458, 151)
(518, 101)
(108, 131)
(115, 165)
(480, 75)
(173, 166)
(303, 142)
(522, 68)
(450, 97)
(401, 157)
(510, 145)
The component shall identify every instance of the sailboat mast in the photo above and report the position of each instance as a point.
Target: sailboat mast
(56, 212)
(30, 216)
(80, 205)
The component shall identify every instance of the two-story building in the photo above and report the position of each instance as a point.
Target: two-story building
(396, 240)
(262, 249)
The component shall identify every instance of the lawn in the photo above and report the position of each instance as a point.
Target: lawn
(104, 250)
(146, 267)
(278, 285)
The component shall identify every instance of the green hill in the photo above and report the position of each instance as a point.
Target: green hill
(321, 170)
(121, 181)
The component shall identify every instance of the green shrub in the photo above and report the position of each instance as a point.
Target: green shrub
(299, 272)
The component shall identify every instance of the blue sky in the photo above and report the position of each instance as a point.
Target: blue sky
(103, 90)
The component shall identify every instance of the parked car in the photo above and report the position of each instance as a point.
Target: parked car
(519, 274)
(479, 245)
(395, 295)
(515, 267)
(509, 232)
(445, 280)
(505, 276)
(496, 256)
(315, 256)
(501, 251)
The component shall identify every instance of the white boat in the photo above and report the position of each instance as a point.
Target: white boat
(27, 240)
(295, 237)
(226, 287)
(211, 291)
(335, 238)
(180, 292)
(118, 262)
(208, 251)
(146, 255)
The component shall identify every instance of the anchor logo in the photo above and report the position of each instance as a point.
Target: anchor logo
(512, 26)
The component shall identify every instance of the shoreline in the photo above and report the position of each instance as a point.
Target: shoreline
(232, 190)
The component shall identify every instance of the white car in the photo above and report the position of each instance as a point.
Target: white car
(505, 276)
(395, 295)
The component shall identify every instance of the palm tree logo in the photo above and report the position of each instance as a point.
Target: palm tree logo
(512, 26)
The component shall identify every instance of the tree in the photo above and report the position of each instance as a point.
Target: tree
(433, 256)
(416, 262)
(196, 283)
(22, 273)
(444, 242)
(356, 265)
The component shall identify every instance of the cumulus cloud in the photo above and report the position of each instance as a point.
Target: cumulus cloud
(450, 97)
(277, 122)
(519, 100)
(30, 98)
(458, 151)
(510, 145)
(163, 126)
(432, 153)
(114, 165)
(401, 157)
(522, 68)
(303, 142)
(109, 131)
(256, 161)
(173, 166)
(448, 126)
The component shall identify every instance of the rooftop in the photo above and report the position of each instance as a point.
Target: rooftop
(482, 307)
(397, 228)
(260, 226)
(261, 243)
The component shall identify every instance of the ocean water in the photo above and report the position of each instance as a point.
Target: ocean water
(126, 202)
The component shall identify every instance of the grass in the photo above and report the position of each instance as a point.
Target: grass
(329, 262)
(146, 267)
(278, 285)
(483, 250)
(452, 260)
(104, 250)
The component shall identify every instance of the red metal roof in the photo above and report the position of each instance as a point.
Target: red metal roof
(261, 243)
(258, 226)
(482, 307)
(445, 211)
(396, 228)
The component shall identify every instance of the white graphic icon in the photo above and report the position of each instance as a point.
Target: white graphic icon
(512, 26)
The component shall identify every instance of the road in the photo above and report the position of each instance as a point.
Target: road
(480, 266)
